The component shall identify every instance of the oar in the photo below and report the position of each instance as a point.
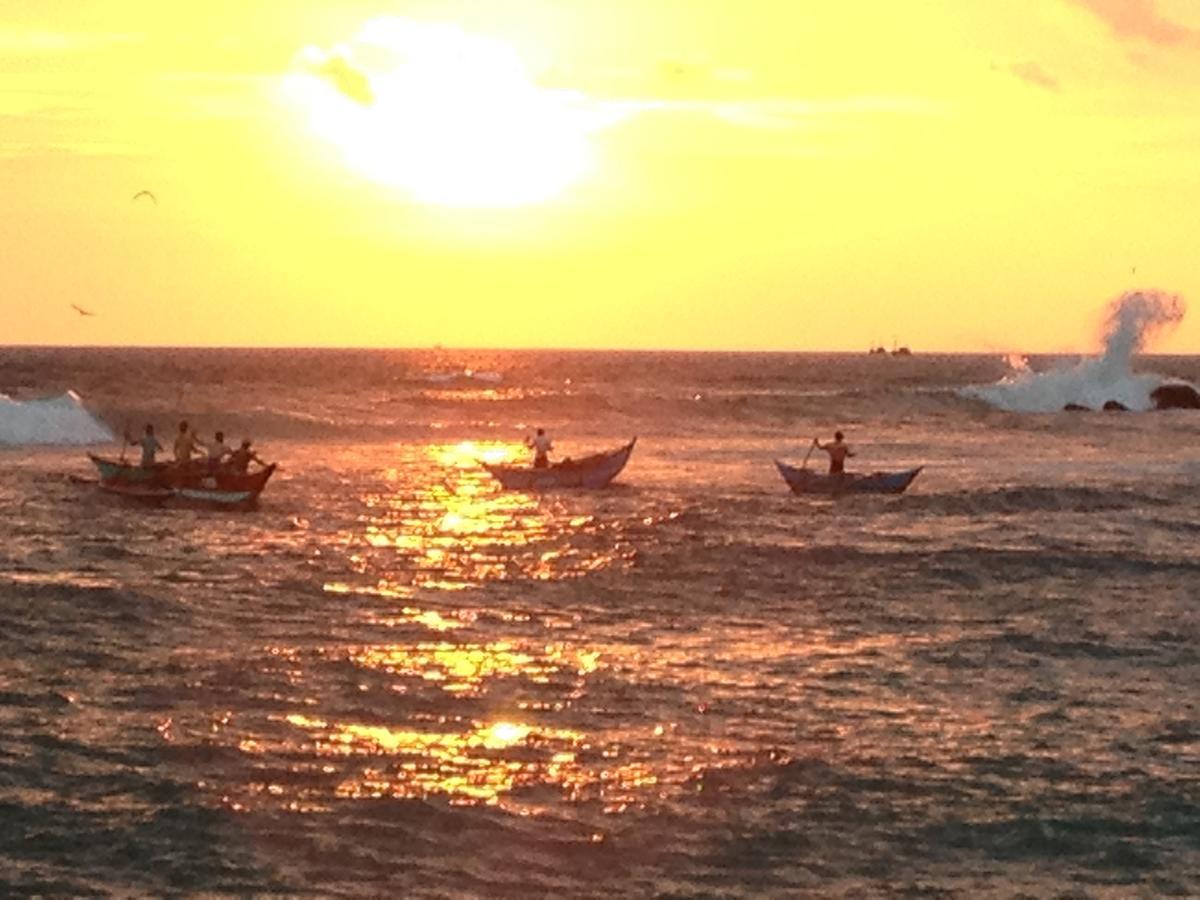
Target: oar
(811, 448)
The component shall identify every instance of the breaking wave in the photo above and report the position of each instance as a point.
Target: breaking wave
(53, 420)
(1133, 320)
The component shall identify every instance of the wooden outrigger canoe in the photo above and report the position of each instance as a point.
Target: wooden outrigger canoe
(804, 481)
(593, 471)
(163, 482)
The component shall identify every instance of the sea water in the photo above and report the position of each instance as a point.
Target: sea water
(396, 679)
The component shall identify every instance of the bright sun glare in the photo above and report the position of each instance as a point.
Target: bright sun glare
(450, 117)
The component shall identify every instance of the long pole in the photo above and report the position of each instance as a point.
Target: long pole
(811, 447)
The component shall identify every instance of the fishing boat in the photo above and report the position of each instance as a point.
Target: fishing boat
(594, 471)
(803, 481)
(162, 482)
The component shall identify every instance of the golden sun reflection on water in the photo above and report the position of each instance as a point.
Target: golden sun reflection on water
(444, 524)
(465, 668)
(435, 521)
(485, 764)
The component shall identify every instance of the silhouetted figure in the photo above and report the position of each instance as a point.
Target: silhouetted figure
(240, 459)
(218, 451)
(541, 446)
(838, 450)
(185, 444)
(149, 444)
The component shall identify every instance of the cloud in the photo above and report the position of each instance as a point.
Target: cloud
(1140, 20)
(1033, 73)
(335, 68)
(424, 79)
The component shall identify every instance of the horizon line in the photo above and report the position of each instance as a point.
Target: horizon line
(434, 348)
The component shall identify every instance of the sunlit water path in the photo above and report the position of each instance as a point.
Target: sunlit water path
(395, 678)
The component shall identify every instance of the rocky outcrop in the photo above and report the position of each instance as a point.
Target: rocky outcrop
(1115, 406)
(1076, 407)
(1175, 396)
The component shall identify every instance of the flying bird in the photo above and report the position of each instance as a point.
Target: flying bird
(82, 311)
(146, 194)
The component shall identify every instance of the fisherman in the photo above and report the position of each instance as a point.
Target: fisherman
(185, 444)
(149, 444)
(240, 459)
(218, 450)
(541, 446)
(838, 450)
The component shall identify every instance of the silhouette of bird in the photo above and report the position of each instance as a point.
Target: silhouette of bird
(146, 194)
(81, 310)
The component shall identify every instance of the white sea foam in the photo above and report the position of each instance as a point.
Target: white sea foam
(53, 420)
(462, 376)
(1133, 320)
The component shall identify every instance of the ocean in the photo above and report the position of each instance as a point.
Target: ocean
(394, 678)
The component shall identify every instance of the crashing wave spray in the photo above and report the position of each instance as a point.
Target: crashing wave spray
(55, 420)
(1133, 319)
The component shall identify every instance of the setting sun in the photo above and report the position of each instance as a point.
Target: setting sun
(599, 448)
(452, 118)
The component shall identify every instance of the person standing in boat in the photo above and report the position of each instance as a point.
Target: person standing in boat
(185, 444)
(541, 447)
(149, 444)
(218, 451)
(838, 450)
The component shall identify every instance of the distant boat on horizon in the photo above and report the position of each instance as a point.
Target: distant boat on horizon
(880, 350)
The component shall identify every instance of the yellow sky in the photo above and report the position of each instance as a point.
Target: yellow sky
(738, 174)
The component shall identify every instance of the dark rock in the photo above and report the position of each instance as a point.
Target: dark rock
(1175, 396)
(1115, 406)
(1075, 407)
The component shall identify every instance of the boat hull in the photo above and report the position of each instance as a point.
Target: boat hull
(803, 481)
(590, 472)
(192, 484)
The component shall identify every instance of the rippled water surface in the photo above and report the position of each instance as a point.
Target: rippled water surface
(394, 678)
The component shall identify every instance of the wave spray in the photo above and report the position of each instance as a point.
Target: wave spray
(1132, 321)
(55, 420)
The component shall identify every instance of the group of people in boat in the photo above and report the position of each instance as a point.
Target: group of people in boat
(837, 449)
(190, 451)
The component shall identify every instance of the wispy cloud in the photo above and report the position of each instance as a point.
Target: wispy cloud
(678, 87)
(1035, 74)
(1141, 20)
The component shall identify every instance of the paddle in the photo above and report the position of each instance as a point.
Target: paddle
(811, 448)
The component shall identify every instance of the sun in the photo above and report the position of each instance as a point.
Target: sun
(452, 118)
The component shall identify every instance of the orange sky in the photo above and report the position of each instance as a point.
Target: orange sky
(750, 174)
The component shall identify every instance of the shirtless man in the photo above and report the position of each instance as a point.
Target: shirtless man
(185, 444)
(838, 451)
(240, 459)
